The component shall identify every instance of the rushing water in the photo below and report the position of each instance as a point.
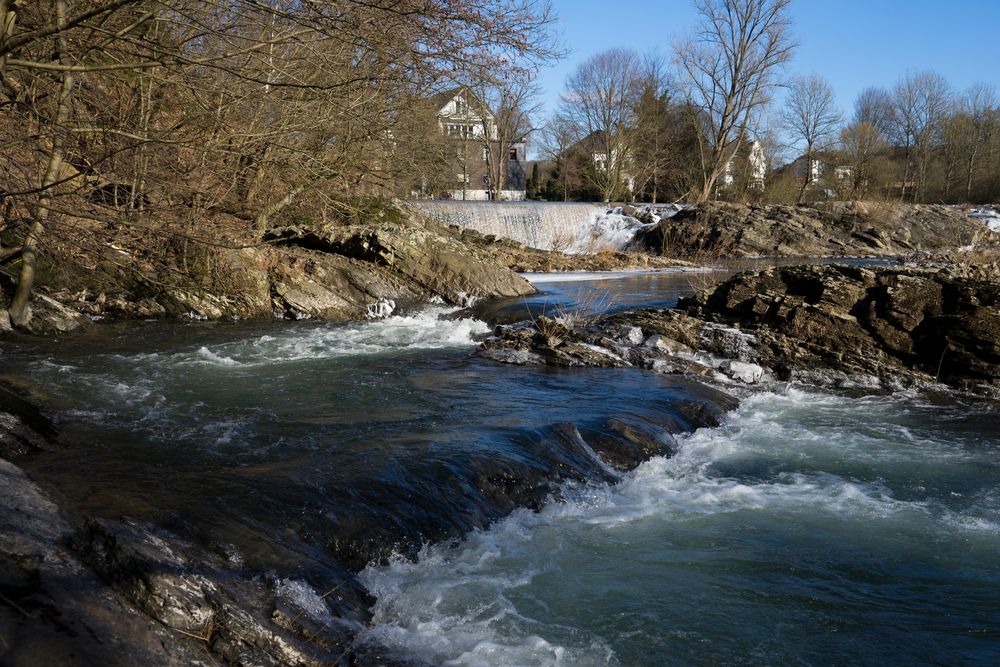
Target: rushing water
(569, 227)
(807, 528)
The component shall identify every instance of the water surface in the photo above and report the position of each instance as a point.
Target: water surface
(808, 528)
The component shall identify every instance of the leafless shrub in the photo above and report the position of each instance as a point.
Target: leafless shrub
(978, 264)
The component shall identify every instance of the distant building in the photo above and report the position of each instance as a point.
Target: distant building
(592, 148)
(756, 166)
(471, 130)
(825, 170)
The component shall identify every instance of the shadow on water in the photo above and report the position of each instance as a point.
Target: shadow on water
(274, 440)
(592, 293)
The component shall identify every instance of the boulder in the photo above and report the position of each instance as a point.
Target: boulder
(418, 258)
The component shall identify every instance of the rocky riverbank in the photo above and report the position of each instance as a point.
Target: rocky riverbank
(836, 229)
(337, 271)
(82, 590)
(838, 326)
(391, 258)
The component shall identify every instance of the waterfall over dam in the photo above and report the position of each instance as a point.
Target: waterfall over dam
(572, 227)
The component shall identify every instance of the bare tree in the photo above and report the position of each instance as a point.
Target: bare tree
(731, 66)
(20, 314)
(811, 117)
(973, 127)
(600, 100)
(875, 106)
(245, 107)
(558, 137)
(921, 102)
(508, 103)
(863, 146)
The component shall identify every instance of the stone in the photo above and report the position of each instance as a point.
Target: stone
(720, 229)
(899, 324)
(742, 371)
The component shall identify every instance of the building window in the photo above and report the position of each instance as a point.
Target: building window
(513, 154)
(486, 155)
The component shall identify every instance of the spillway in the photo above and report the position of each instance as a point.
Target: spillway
(572, 227)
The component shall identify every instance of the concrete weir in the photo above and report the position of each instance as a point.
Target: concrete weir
(545, 225)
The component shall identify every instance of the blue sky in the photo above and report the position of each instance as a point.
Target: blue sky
(852, 43)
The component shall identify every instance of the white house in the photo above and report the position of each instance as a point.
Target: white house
(467, 121)
(757, 168)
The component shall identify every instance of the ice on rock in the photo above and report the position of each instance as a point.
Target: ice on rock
(381, 309)
(634, 335)
(742, 371)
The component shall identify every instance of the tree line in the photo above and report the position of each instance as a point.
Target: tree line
(653, 128)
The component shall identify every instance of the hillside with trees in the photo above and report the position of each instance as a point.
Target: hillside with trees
(149, 136)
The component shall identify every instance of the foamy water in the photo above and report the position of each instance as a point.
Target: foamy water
(807, 527)
(573, 228)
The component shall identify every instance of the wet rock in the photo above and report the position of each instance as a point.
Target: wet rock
(56, 611)
(242, 620)
(627, 441)
(23, 427)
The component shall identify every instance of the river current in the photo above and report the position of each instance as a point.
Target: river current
(808, 527)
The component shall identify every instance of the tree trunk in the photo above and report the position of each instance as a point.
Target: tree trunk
(807, 179)
(8, 14)
(20, 314)
(906, 175)
(970, 170)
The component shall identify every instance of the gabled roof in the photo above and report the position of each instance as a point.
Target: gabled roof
(441, 99)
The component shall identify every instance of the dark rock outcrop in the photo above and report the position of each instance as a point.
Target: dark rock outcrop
(837, 325)
(840, 229)
(56, 611)
(903, 323)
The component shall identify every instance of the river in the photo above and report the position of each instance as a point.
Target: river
(808, 527)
